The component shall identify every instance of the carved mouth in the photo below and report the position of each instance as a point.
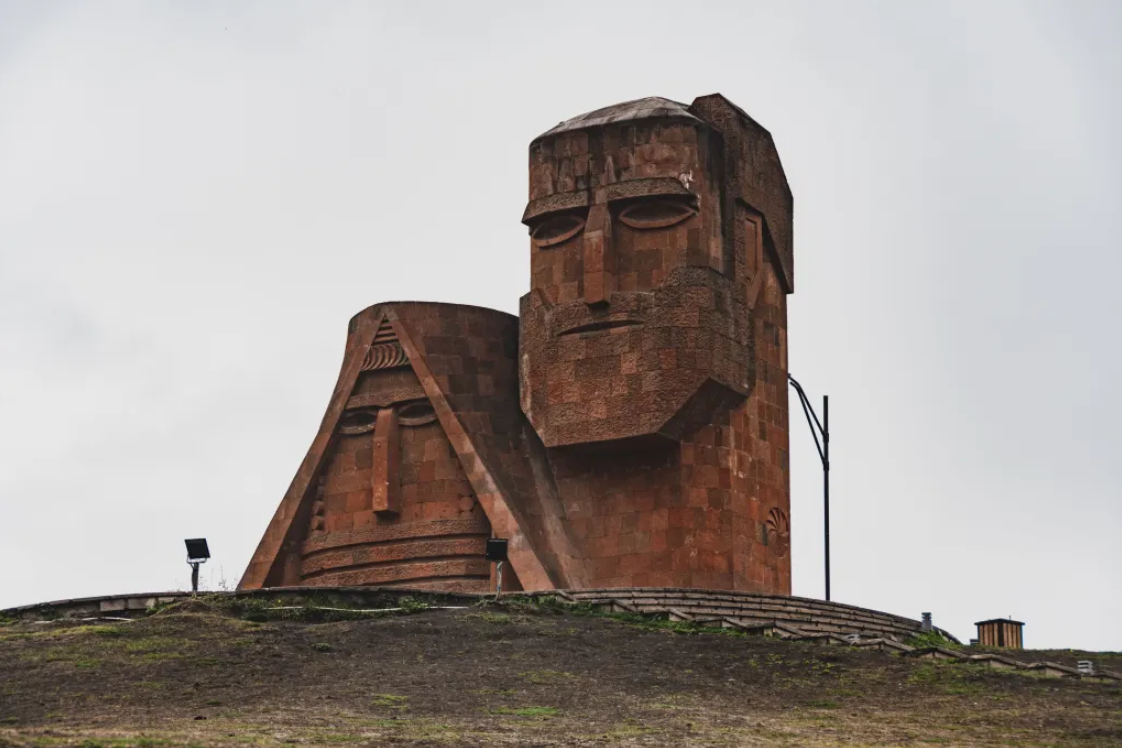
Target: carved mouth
(602, 325)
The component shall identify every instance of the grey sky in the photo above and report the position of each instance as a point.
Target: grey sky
(196, 197)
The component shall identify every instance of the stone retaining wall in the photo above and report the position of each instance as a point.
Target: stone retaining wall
(133, 605)
(804, 614)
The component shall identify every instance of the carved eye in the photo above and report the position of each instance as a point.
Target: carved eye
(556, 229)
(416, 414)
(358, 421)
(655, 214)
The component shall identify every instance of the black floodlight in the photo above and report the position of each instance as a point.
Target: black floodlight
(496, 549)
(197, 550)
(197, 553)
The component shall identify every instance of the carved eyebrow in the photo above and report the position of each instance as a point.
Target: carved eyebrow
(386, 398)
(648, 187)
(554, 204)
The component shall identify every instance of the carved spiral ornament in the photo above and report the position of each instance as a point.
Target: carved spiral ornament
(779, 528)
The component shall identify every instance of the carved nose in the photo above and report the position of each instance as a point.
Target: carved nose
(385, 480)
(599, 257)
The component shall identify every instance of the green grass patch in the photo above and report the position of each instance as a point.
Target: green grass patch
(84, 630)
(638, 620)
(930, 639)
(311, 608)
(18, 636)
(157, 656)
(626, 730)
(495, 618)
(412, 605)
(955, 679)
(157, 642)
(65, 632)
(392, 701)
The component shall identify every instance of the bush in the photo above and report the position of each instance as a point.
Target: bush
(930, 639)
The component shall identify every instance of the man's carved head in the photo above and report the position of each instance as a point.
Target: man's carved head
(645, 247)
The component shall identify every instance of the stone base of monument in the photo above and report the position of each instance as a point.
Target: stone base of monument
(774, 615)
(769, 615)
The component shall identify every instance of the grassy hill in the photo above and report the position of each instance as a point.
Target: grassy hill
(233, 673)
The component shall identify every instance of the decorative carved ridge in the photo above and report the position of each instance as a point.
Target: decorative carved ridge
(477, 525)
(384, 356)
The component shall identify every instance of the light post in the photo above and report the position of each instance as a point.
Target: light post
(197, 553)
(820, 428)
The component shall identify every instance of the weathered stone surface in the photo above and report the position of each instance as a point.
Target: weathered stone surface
(653, 352)
(628, 430)
(409, 498)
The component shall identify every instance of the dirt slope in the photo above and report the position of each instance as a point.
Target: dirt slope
(516, 675)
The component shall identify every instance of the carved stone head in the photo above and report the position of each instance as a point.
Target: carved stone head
(420, 458)
(382, 497)
(388, 447)
(645, 244)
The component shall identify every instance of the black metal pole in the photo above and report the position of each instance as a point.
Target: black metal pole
(826, 483)
(194, 579)
(820, 427)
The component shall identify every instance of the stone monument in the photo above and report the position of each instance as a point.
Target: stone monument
(628, 429)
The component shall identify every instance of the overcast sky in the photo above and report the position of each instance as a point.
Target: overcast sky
(196, 197)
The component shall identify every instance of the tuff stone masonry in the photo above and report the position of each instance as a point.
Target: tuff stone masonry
(628, 429)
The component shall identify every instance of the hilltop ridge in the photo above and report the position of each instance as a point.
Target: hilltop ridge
(236, 672)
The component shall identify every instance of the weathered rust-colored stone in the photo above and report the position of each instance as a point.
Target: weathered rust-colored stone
(630, 429)
(393, 490)
(653, 356)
